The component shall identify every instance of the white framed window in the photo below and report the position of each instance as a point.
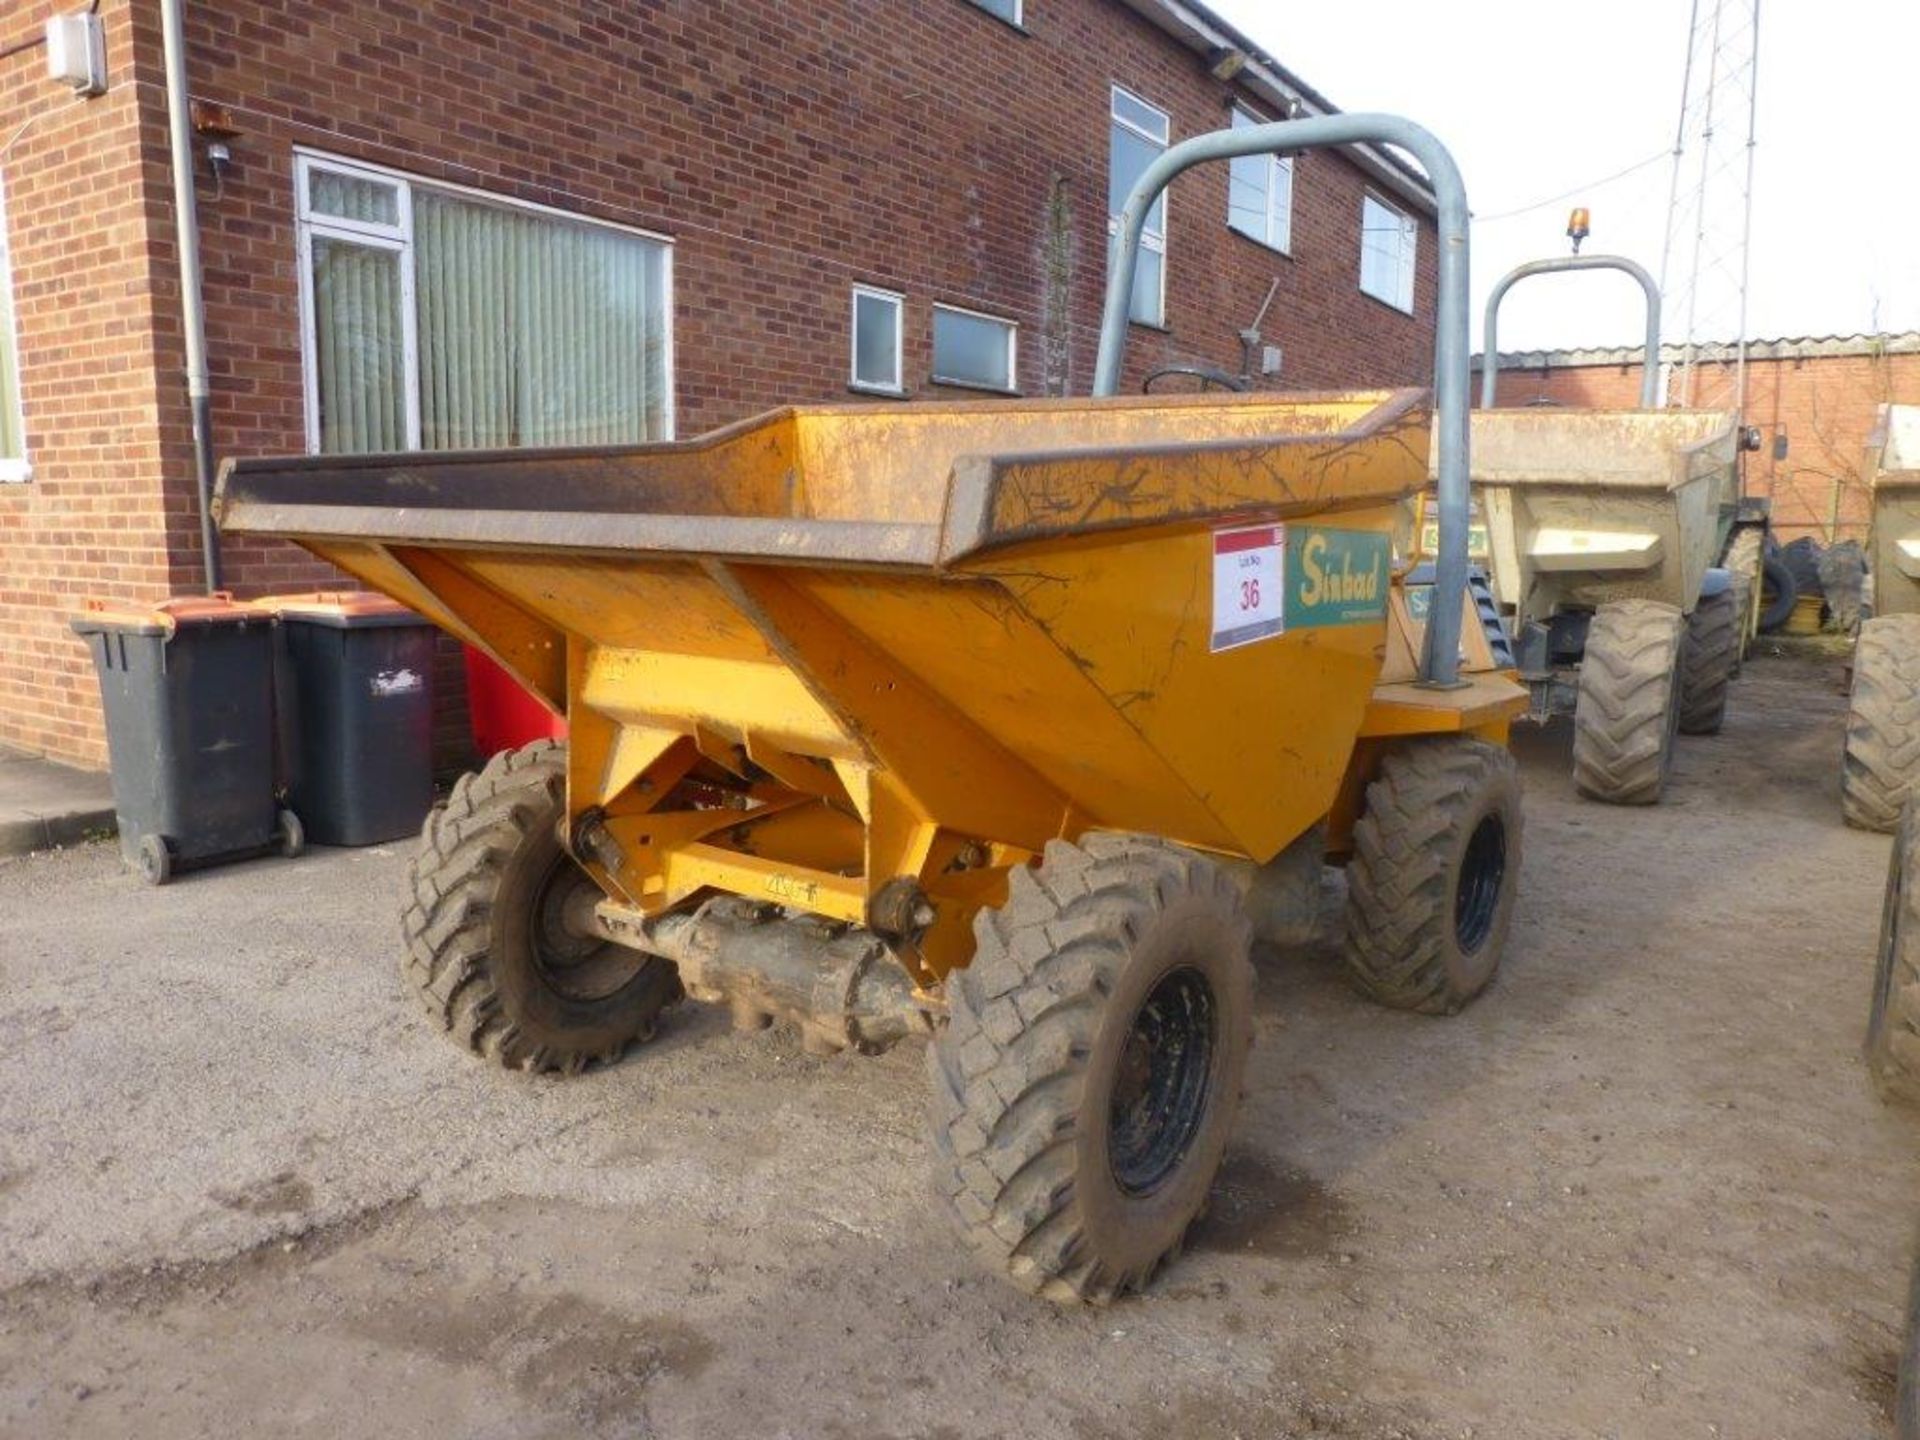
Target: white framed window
(1260, 193)
(1007, 10)
(974, 349)
(876, 346)
(1138, 135)
(13, 418)
(1389, 252)
(440, 317)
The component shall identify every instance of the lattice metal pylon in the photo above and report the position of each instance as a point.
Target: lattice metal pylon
(1703, 266)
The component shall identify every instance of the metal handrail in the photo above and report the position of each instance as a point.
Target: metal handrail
(1452, 362)
(1490, 348)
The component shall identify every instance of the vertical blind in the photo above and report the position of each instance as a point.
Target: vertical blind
(526, 328)
(534, 331)
(358, 347)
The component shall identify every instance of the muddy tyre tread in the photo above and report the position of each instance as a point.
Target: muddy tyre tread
(1628, 706)
(1882, 758)
(1744, 561)
(1743, 618)
(1893, 1024)
(1400, 881)
(1007, 1073)
(448, 960)
(1708, 659)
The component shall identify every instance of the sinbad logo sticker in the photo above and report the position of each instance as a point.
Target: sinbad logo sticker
(1338, 577)
(1267, 579)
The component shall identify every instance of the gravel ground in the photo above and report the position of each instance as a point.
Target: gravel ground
(1641, 1189)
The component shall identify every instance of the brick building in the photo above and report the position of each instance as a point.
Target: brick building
(459, 222)
(1815, 401)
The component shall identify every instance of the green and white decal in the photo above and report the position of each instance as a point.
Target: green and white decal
(1335, 577)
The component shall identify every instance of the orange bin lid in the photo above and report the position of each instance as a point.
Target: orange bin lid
(168, 615)
(342, 609)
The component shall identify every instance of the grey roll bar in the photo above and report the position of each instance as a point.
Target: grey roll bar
(1452, 363)
(1489, 349)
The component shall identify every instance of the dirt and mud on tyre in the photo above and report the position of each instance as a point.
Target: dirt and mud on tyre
(1436, 865)
(1629, 703)
(1893, 1023)
(1742, 586)
(1882, 760)
(1707, 662)
(1744, 562)
(494, 944)
(1085, 1086)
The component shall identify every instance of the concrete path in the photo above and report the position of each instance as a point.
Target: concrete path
(44, 803)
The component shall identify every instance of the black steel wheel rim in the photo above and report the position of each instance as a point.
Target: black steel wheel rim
(1160, 1090)
(572, 965)
(1483, 870)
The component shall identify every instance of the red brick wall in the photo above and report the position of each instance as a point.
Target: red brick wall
(790, 150)
(83, 209)
(1824, 404)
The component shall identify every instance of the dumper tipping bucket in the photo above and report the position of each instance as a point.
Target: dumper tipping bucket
(982, 625)
(1586, 507)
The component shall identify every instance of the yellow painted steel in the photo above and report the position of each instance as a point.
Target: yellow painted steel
(823, 653)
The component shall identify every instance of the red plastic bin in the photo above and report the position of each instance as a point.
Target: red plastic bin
(505, 714)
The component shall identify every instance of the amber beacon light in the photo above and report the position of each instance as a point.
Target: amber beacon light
(1578, 227)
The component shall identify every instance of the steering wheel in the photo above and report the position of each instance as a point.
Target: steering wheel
(1205, 374)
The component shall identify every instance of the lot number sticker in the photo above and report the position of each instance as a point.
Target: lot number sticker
(1249, 585)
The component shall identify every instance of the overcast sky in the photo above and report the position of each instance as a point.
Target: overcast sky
(1539, 96)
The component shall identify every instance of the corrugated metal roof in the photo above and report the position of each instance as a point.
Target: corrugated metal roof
(1796, 347)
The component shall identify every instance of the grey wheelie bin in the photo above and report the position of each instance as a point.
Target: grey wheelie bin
(357, 687)
(187, 689)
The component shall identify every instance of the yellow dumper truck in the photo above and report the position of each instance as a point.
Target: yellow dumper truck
(974, 721)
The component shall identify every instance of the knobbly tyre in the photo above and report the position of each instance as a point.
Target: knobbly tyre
(1006, 723)
(1882, 757)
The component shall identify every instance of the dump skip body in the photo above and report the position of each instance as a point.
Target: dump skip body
(921, 641)
(1586, 507)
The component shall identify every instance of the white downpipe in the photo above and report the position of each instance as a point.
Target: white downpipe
(193, 315)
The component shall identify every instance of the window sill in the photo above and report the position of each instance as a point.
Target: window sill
(1386, 304)
(880, 392)
(15, 472)
(1013, 25)
(1159, 327)
(974, 385)
(1256, 241)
